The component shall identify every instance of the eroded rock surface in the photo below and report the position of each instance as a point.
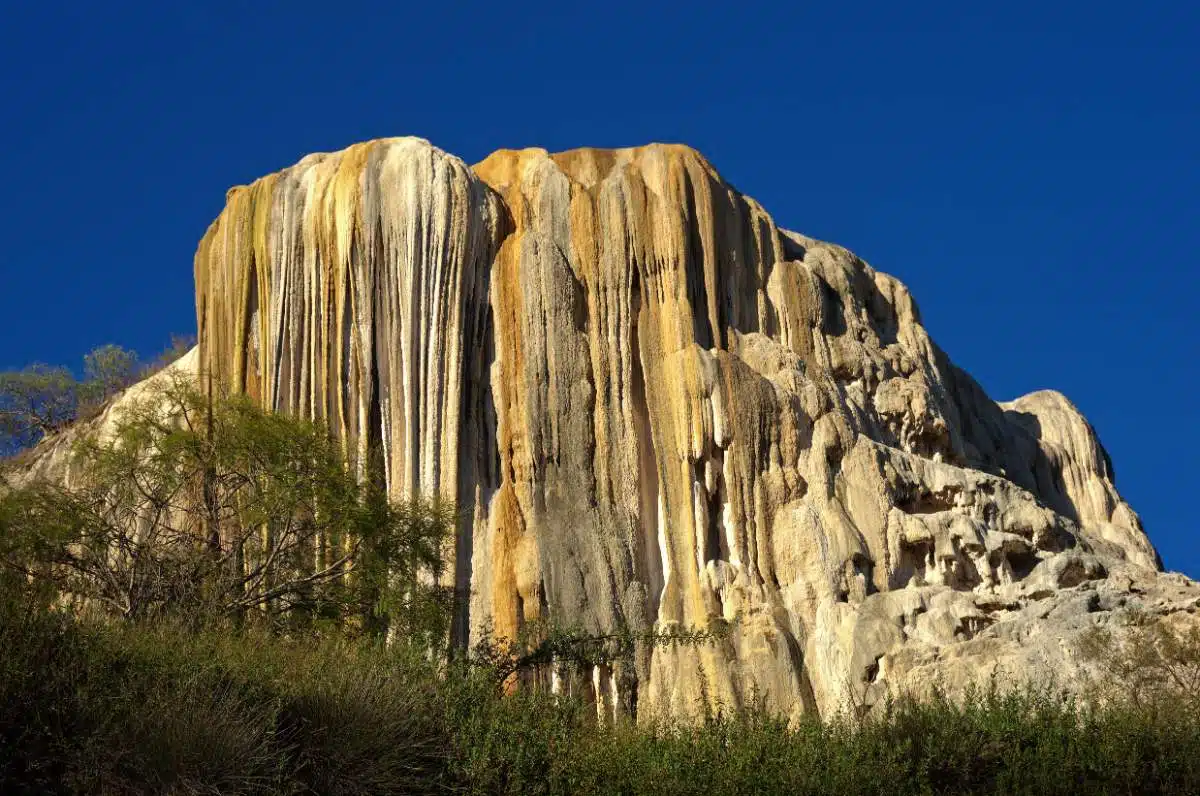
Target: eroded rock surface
(659, 407)
(54, 459)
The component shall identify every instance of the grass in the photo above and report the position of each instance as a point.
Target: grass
(139, 709)
(1001, 743)
(156, 710)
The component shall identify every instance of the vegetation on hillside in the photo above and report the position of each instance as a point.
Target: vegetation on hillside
(155, 708)
(224, 512)
(42, 400)
(218, 605)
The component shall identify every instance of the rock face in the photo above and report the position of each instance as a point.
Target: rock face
(701, 414)
(354, 287)
(54, 460)
(659, 407)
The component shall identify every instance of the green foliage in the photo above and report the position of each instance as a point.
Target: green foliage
(994, 743)
(218, 510)
(509, 744)
(545, 643)
(36, 401)
(135, 709)
(107, 370)
(158, 708)
(180, 345)
(41, 400)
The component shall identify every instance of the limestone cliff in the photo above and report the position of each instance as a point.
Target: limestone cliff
(702, 414)
(659, 407)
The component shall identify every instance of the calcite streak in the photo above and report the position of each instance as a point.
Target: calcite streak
(353, 287)
(661, 266)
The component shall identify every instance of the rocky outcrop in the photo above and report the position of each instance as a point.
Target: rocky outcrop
(703, 415)
(55, 460)
(657, 407)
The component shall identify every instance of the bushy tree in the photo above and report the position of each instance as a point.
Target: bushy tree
(217, 509)
(34, 402)
(180, 345)
(107, 370)
(40, 400)
(1151, 663)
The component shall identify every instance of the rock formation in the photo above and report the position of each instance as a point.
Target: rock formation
(659, 407)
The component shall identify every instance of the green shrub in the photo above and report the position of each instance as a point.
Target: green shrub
(364, 722)
(507, 744)
(994, 742)
(42, 656)
(137, 708)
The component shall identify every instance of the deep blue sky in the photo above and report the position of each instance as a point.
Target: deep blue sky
(1030, 173)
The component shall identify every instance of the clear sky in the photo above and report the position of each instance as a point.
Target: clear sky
(1030, 170)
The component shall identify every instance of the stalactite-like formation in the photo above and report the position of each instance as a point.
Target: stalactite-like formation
(702, 415)
(353, 287)
(657, 407)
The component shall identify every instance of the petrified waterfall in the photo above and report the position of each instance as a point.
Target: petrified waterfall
(354, 287)
(657, 407)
